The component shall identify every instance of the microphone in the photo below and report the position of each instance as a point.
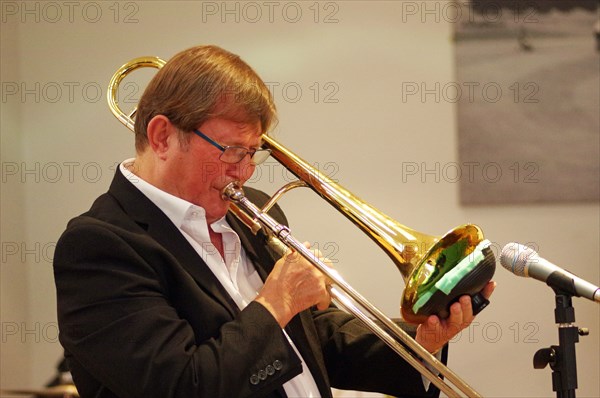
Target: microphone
(524, 261)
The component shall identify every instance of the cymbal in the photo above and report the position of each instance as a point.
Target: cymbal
(65, 391)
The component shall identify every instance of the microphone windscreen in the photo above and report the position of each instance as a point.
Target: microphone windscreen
(514, 257)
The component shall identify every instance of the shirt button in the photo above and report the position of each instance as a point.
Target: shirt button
(270, 370)
(254, 380)
(262, 375)
(277, 364)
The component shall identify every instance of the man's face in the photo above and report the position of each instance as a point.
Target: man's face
(196, 173)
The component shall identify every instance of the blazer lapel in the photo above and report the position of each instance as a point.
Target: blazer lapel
(254, 246)
(306, 343)
(159, 226)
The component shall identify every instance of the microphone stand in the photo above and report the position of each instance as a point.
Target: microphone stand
(561, 358)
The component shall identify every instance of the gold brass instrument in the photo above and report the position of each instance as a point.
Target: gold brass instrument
(419, 257)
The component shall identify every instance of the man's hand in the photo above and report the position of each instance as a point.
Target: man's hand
(434, 333)
(293, 286)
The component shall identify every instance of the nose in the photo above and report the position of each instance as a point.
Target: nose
(242, 170)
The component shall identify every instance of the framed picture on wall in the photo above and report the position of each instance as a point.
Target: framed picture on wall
(527, 93)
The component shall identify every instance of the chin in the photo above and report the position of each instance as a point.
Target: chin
(218, 212)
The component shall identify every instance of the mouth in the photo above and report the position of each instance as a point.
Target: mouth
(222, 184)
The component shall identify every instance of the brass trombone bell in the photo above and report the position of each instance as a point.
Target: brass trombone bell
(429, 265)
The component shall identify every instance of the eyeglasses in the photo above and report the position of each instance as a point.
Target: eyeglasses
(234, 154)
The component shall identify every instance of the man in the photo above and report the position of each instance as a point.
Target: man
(162, 294)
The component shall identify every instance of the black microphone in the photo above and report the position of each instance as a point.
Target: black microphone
(524, 261)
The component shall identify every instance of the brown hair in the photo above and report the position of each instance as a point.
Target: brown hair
(201, 83)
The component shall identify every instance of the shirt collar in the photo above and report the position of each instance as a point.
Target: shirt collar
(175, 208)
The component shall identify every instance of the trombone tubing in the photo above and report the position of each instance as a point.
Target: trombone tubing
(347, 301)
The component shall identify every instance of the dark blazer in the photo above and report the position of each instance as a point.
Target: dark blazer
(141, 315)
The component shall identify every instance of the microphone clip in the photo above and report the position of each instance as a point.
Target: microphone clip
(561, 357)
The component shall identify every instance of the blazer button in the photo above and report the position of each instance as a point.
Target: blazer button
(270, 370)
(254, 380)
(262, 375)
(277, 364)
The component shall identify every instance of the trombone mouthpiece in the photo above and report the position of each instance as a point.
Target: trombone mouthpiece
(233, 192)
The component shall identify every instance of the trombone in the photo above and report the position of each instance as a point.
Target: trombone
(423, 260)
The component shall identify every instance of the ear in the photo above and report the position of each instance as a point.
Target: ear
(160, 133)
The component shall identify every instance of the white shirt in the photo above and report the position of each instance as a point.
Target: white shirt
(235, 272)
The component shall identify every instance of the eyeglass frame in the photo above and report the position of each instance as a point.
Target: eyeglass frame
(223, 148)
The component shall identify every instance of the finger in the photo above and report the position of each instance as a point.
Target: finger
(467, 309)
(326, 301)
(433, 324)
(488, 289)
(317, 253)
(429, 334)
(431, 328)
(327, 262)
(291, 256)
(455, 319)
(323, 304)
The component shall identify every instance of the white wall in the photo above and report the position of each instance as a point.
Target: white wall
(59, 150)
(15, 357)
